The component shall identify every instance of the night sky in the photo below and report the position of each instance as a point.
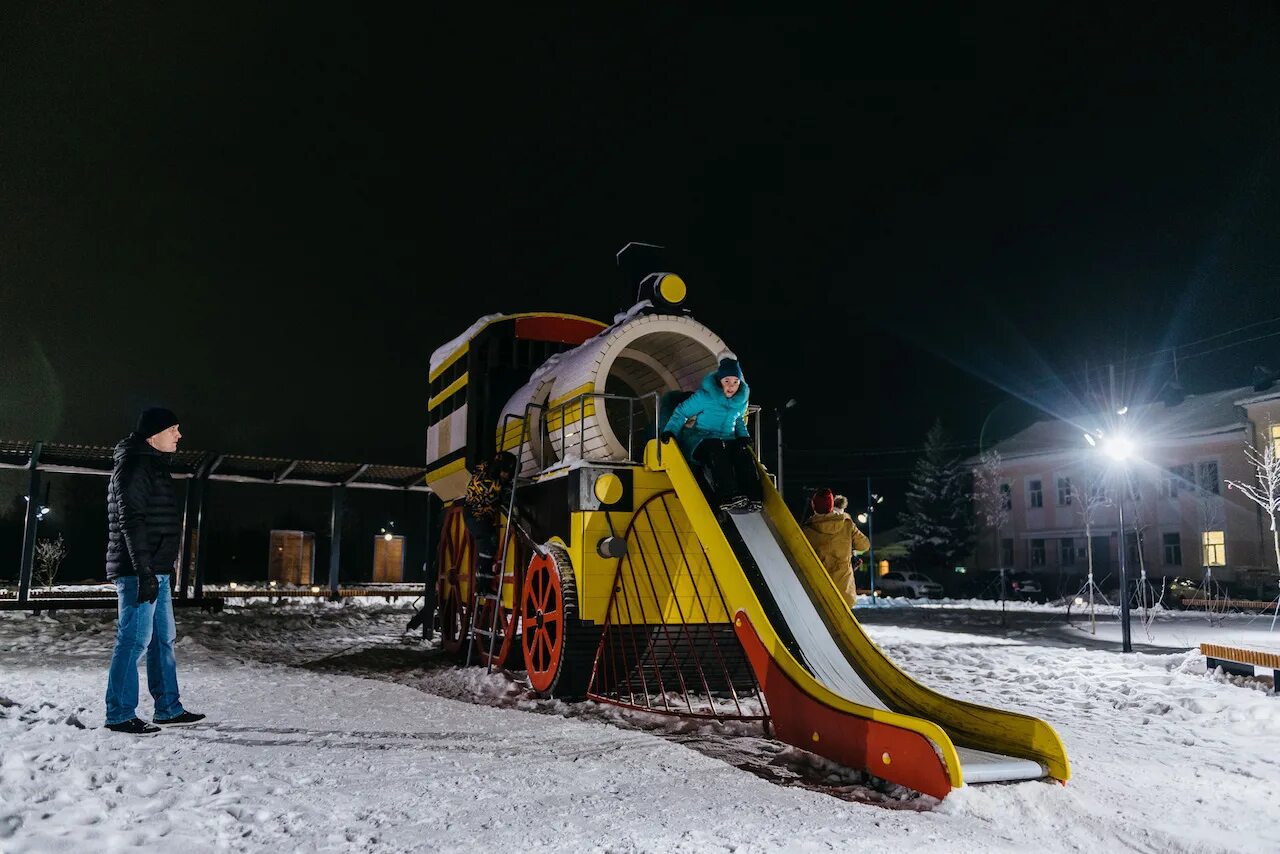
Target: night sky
(266, 217)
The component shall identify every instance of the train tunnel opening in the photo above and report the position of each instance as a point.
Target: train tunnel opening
(657, 362)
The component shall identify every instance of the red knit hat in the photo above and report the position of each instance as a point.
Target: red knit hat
(823, 501)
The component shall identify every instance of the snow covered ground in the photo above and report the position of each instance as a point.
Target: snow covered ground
(331, 730)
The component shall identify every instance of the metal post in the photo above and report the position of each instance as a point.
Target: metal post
(1126, 643)
(431, 567)
(335, 541)
(778, 414)
(199, 545)
(184, 541)
(32, 523)
(657, 424)
(871, 542)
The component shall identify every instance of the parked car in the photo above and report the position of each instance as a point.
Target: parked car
(917, 585)
(1017, 585)
(1024, 585)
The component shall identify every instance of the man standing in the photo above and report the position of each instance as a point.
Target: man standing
(142, 546)
(835, 538)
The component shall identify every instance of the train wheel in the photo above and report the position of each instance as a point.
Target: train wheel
(507, 604)
(559, 650)
(456, 580)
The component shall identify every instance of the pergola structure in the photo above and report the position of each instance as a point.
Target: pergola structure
(198, 468)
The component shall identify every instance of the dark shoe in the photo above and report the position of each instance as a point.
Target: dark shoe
(184, 719)
(135, 726)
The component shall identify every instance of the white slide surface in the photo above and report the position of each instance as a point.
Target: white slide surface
(824, 658)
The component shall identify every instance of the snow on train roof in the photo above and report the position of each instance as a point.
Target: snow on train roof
(445, 351)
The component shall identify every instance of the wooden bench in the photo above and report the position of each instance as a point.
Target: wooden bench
(1229, 604)
(1242, 661)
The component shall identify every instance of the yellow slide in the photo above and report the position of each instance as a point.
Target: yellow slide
(829, 689)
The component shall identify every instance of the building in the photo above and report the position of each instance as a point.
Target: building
(1180, 517)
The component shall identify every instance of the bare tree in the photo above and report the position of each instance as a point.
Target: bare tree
(1088, 495)
(49, 557)
(1266, 492)
(990, 497)
(1148, 596)
(1209, 515)
(992, 502)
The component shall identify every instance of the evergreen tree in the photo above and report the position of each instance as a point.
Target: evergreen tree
(939, 520)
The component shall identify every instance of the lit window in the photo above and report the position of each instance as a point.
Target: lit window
(1173, 549)
(1035, 494)
(1064, 491)
(1275, 439)
(1215, 548)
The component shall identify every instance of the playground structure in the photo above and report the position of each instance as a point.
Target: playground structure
(620, 582)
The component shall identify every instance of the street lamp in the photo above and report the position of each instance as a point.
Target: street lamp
(868, 519)
(778, 415)
(1119, 448)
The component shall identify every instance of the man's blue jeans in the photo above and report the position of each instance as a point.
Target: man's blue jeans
(143, 627)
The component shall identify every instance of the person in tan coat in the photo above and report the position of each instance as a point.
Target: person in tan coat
(835, 538)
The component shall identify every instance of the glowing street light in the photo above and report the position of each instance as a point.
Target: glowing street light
(1119, 448)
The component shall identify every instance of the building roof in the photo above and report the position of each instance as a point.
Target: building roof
(97, 459)
(1196, 416)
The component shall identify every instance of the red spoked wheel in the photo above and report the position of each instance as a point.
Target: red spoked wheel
(558, 648)
(455, 582)
(506, 625)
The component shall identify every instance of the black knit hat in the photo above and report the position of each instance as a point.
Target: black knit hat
(505, 461)
(154, 420)
(729, 367)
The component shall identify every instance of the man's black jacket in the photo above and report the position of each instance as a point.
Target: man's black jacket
(143, 524)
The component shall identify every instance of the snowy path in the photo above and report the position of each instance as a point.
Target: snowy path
(311, 753)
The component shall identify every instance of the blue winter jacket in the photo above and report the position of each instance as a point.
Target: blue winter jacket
(717, 416)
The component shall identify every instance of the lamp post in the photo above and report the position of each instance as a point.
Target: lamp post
(1119, 448)
(778, 416)
(869, 519)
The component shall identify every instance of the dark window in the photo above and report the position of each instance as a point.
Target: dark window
(1131, 544)
(1006, 496)
(1037, 552)
(1035, 494)
(1064, 491)
(1173, 549)
(1208, 479)
(1006, 552)
(1067, 551)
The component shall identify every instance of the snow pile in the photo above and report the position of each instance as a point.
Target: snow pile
(332, 730)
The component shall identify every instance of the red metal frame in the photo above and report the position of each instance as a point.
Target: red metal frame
(892, 753)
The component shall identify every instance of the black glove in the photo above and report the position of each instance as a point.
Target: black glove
(148, 586)
(742, 441)
(667, 436)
